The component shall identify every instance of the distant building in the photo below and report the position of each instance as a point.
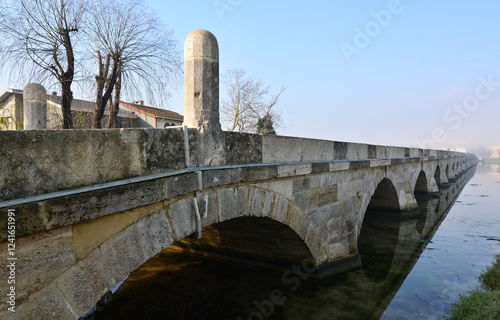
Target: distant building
(152, 117)
(11, 112)
(495, 151)
(130, 115)
(458, 149)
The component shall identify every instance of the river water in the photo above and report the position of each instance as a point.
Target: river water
(413, 268)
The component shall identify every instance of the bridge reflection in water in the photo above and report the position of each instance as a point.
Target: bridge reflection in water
(178, 285)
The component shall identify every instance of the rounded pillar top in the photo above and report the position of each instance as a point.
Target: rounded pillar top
(201, 44)
(34, 91)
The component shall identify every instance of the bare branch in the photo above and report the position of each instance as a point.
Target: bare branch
(148, 55)
(37, 42)
(247, 102)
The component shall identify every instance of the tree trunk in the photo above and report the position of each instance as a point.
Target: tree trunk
(102, 100)
(100, 81)
(67, 98)
(115, 106)
(67, 79)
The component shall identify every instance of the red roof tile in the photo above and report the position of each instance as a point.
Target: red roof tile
(155, 112)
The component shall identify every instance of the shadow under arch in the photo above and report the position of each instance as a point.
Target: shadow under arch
(437, 175)
(379, 216)
(385, 198)
(257, 241)
(144, 238)
(250, 210)
(243, 248)
(421, 184)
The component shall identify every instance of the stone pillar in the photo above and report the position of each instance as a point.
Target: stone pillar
(34, 107)
(201, 95)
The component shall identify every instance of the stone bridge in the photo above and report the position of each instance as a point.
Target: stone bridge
(383, 272)
(90, 206)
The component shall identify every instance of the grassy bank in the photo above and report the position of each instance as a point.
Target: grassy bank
(481, 303)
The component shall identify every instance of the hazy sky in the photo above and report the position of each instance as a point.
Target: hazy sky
(413, 73)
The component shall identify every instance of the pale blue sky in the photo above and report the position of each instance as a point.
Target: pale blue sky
(397, 89)
(421, 60)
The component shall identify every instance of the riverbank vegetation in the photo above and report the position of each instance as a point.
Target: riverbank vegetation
(481, 303)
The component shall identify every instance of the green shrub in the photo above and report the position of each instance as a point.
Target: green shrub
(478, 305)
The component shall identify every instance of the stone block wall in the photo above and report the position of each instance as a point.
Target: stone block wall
(38, 162)
(42, 161)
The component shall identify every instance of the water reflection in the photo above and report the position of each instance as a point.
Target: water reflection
(390, 247)
(175, 285)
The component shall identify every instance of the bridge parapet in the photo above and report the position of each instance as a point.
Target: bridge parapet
(169, 179)
(42, 161)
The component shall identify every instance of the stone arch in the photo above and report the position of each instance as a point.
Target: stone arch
(255, 201)
(421, 183)
(447, 171)
(437, 175)
(253, 240)
(114, 259)
(378, 188)
(385, 197)
(226, 204)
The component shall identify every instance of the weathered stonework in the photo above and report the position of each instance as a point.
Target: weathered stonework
(38, 162)
(35, 107)
(33, 272)
(201, 95)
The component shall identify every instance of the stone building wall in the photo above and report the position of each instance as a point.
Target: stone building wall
(11, 113)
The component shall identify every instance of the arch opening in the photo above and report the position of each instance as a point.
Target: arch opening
(378, 237)
(384, 199)
(193, 278)
(437, 175)
(447, 171)
(421, 184)
(258, 241)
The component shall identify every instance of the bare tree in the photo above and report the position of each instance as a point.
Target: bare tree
(135, 53)
(248, 106)
(105, 83)
(37, 43)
